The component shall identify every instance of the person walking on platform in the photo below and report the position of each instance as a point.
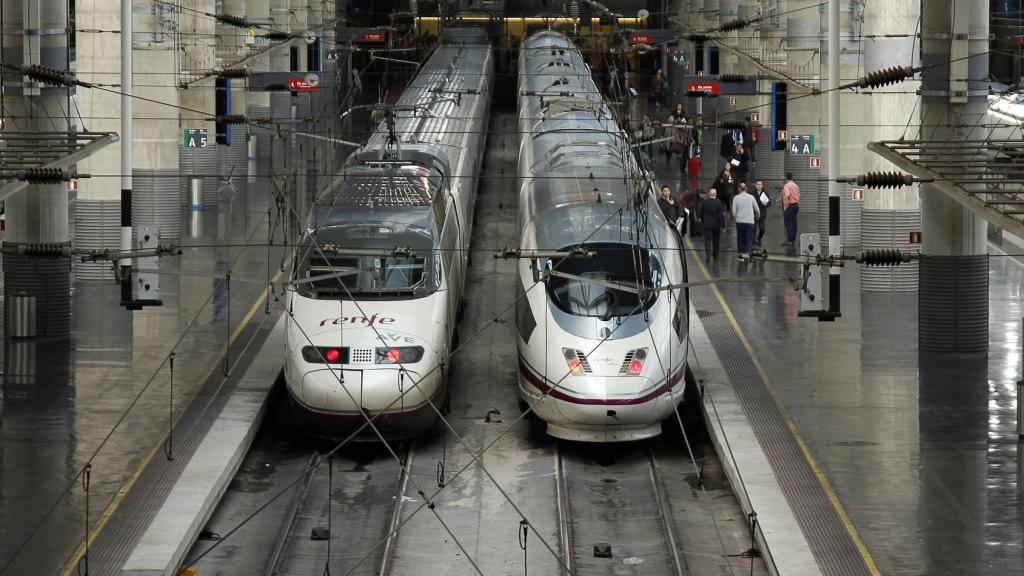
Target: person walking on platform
(763, 202)
(659, 90)
(790, 207)
(712, 215)
(669, 207)
(746, 213)
(691, 201)
(741, 163)
(725, 185)
(679, 112)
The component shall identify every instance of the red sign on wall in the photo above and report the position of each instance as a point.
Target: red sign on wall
(373, 37)
(641, 39)
(297, 85)
(709, 87)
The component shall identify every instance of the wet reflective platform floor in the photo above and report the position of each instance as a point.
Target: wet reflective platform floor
(106, 393)
(920, 449)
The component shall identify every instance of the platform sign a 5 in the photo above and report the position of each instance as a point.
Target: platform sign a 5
(194, 138)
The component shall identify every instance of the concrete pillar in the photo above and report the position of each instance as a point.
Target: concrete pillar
(890, 215)
(854, 130)
(198, 59)
(156, 197)
(258, 103)
(803, 61)
(98, 205)
(280, 61)
(40, 212)
(953, 303)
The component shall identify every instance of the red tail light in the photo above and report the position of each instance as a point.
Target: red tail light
(635, 366)
(332, 355)
(394, 355)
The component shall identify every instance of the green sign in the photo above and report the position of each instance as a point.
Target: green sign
(194, 138)
(801, 144)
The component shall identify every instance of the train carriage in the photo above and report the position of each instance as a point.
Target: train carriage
(601, 338)
(380, 267)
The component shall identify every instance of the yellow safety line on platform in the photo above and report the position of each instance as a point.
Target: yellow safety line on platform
(794, 430)
(76, 557)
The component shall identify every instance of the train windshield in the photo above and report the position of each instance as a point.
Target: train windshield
(360, 261)
(606, 286)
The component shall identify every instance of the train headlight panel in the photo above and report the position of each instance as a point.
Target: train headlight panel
(636, 365)
(398, 355)
(325, 355)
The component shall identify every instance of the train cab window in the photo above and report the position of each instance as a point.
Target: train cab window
(340, 264)
(591, 288)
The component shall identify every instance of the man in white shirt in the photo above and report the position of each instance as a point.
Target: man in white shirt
(746, 213)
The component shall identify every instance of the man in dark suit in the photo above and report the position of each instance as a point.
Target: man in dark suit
(712, 215)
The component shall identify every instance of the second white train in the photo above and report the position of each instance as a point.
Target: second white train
(601, 339)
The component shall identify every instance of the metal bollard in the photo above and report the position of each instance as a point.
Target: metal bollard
(195, 193)
(250, 141)
(22, 323)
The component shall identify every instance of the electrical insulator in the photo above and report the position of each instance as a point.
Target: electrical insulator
(884, 180)
(231, 119)
(234, 73)
(231, 20)
(44, 176)
(48, 75)
(44, 249)
(883, 258)
(732, 124)
(699, 94)
(274, 35)
(884, 77)
(732, 78)
(734, 25)
(698, 37)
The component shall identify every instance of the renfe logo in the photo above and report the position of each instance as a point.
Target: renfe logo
(361, 320)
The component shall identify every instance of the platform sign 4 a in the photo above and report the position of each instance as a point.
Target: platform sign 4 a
(815, 161)
(194, 138)
(802, 144)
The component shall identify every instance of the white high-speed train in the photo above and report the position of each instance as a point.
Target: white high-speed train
(602, 339)
(380, 267)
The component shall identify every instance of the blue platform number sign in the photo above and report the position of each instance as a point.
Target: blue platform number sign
(195, 138)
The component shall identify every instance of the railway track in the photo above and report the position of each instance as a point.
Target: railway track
(343, 517)
(613, 512)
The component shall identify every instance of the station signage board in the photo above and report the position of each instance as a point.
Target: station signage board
(712, 88)
(302, 85)
(802, 144)
(194, 138)
(641, 39)
(373, 37)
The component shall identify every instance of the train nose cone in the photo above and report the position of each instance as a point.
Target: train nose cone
(374, 390)
(610, 401)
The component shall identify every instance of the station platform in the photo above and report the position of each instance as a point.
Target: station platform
(916, 454)
(104, 396)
